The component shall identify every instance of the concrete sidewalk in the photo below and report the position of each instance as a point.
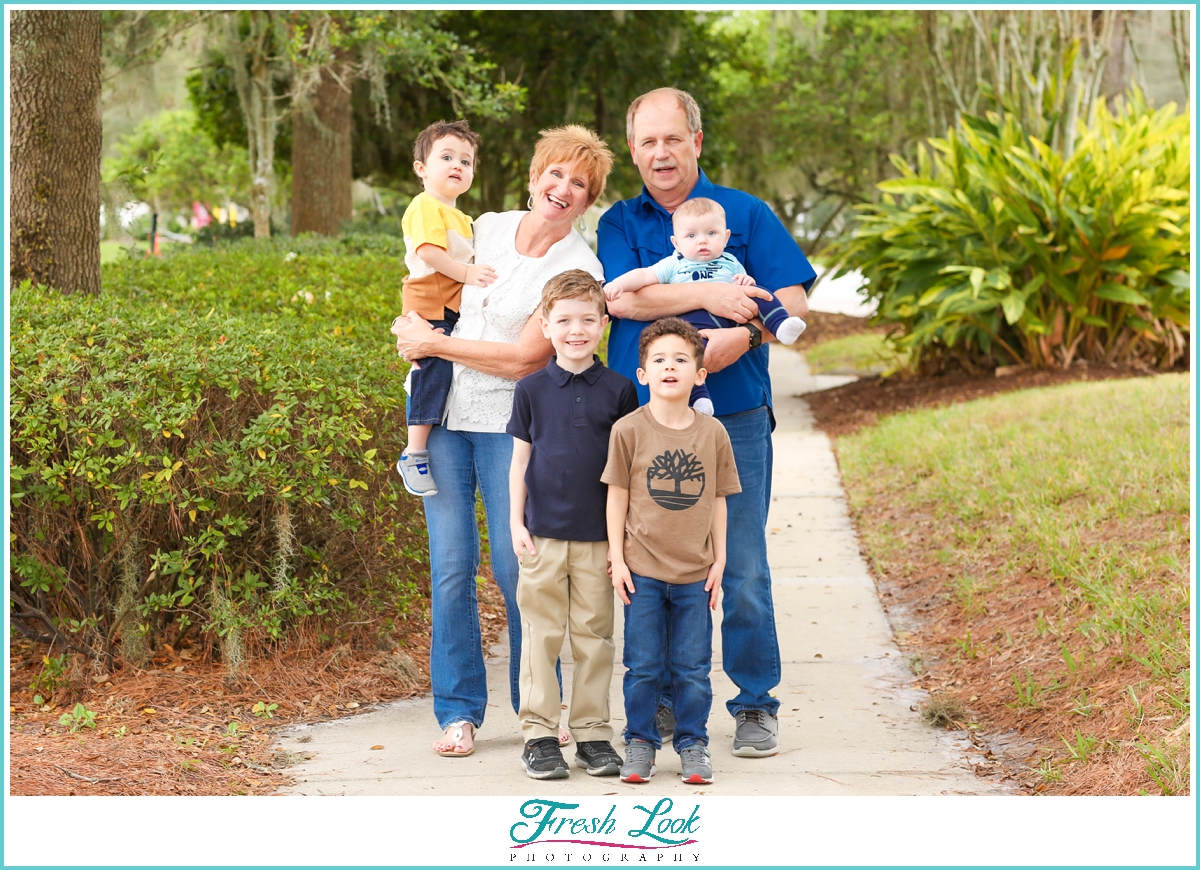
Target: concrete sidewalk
(845, 723)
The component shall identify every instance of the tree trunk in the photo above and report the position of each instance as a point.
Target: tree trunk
(253, 75)
(321, 170)
(56, 142)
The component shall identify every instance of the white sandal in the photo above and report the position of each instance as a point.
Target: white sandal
(455, 731)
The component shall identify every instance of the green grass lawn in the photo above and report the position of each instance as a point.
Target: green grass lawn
(1056, 523)
(865, 353)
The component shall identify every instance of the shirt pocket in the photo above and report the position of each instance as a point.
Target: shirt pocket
(738, 246)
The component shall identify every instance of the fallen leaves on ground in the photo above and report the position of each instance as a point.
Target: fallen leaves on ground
(177, 727)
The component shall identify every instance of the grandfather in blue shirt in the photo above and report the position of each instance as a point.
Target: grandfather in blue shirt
(664, 135)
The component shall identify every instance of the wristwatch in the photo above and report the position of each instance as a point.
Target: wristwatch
(755, 335)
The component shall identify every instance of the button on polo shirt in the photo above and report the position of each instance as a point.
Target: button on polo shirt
(567, 418)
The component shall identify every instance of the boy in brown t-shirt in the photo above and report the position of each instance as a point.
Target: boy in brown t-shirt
(668, 473)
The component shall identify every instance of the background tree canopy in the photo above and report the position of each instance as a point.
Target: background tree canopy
(804, 108)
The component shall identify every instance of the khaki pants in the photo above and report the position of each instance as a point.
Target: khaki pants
(566, 583)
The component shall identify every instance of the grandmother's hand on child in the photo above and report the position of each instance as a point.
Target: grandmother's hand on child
(411, 331)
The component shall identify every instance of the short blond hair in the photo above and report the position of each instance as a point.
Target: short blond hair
(698, 207)
(574, 145)
(572, 284)
(686, 102)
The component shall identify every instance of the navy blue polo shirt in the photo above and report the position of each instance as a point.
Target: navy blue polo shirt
(636, 233)
(567, 418)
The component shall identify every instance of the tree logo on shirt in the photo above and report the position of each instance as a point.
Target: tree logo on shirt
(675, 480)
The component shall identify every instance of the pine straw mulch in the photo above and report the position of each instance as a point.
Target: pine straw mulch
(165, 730)
(845, 409)
(1013, 741)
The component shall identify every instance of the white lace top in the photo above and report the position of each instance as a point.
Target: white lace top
(480, 402)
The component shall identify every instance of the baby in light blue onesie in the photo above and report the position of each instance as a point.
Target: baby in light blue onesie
(699, 240)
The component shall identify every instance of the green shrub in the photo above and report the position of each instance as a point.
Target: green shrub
(204, 444)
(351, 281)
(998, 250)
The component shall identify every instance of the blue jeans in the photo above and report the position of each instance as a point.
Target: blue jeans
(749, 643)
(464, 461)
(655, 610)
(430, 385)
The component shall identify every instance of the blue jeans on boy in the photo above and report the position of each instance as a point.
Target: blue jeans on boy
(466, 461)
(656, 610)
(429, 384)
(749, 644)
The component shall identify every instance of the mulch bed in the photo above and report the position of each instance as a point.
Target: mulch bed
(166, 729)
(845, 409)
(823, 326)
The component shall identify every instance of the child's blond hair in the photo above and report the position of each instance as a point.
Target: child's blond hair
(572, 284)
(696, 208)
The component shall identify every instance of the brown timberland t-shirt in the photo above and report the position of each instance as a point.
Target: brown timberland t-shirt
(674, 477)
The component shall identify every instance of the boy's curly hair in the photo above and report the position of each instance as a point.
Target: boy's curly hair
(670, 326)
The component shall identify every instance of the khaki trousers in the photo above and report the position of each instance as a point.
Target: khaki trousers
(566, 583)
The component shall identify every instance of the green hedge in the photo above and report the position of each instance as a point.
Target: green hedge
(996, 249)
(210, 442)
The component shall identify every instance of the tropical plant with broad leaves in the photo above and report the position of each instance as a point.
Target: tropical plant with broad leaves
(996, 249)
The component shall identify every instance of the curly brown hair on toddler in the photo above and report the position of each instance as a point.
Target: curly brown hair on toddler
(671, 326)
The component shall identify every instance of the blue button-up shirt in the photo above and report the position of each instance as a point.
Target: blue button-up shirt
(636, 233)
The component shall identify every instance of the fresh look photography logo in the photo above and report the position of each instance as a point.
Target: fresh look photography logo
(566, 834)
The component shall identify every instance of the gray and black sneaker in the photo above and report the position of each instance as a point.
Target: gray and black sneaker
(664, 717)
(542, 759)
(757, 734)
(639, 762)
(598, 758)
(414, 471)
(696, 764)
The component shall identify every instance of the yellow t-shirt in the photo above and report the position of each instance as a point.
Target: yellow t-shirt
(430, 222)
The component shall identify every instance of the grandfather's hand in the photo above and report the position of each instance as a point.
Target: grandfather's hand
(725, 346)
(414, 336)
(735, 301)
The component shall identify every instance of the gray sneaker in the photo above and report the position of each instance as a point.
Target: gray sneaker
(696, 764)
(757, 734)
(414, 471)
(639, 762)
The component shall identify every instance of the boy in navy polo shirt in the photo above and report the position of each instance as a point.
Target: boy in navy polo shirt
(561, 420)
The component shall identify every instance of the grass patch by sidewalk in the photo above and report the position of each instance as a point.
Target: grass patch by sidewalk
(1039, 543)
(865, 353)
